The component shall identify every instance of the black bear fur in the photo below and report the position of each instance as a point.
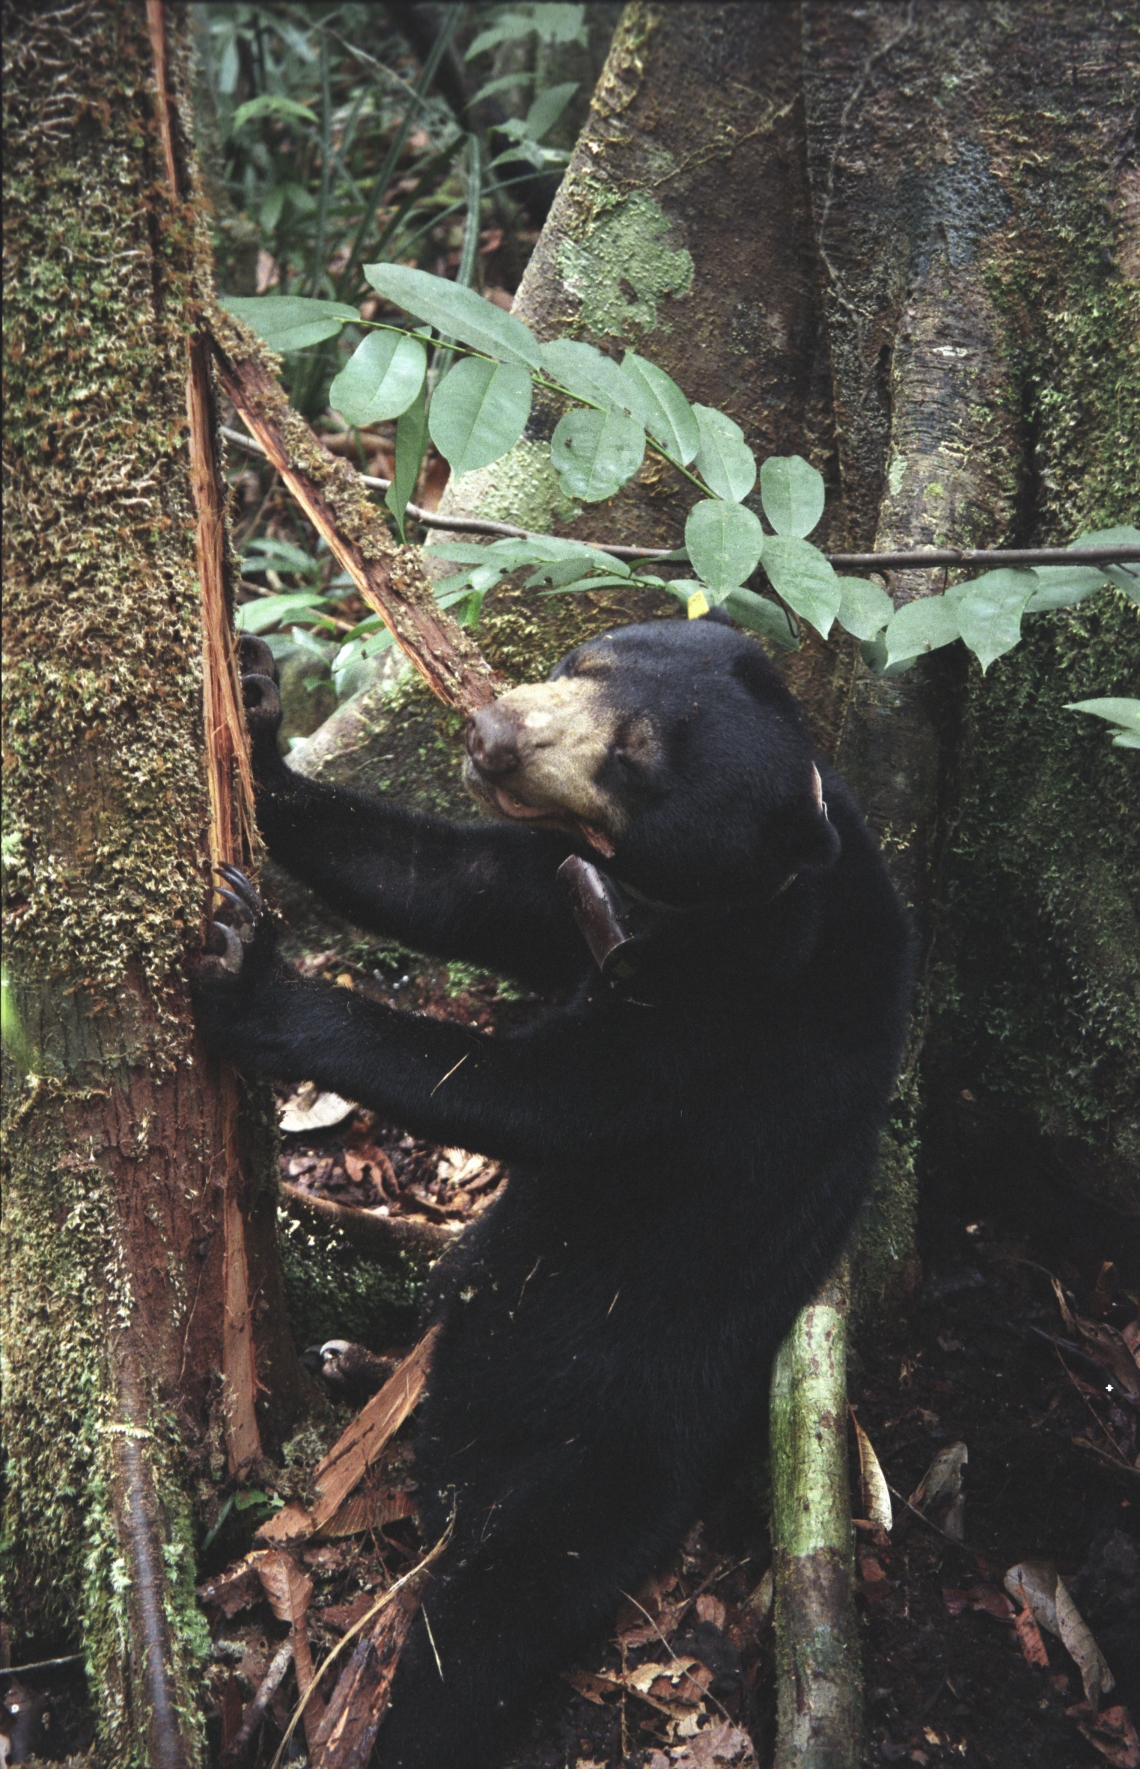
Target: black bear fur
(688, 1148)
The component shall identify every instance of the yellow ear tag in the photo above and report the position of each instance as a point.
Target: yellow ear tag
(697, 605)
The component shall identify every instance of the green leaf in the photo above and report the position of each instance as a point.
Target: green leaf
(380, 379)
(920, 626)
(566, 571)
(864, 607)
(1125, 579)
(547, 108)
(411, 444)
(278, 555)
(508, 27)
(588, 374)
(289, 322)
(989, 614)
(1116, 708)
(724, 460)
(791, 492)
(456, 312)
(270, 212)
(594, 453)
(585, 583)
(270, 104)
(724, 542)
(560, 24)
(1062, 585)
(479, 411)
(760, 615)
(502, 84)
(271, 611)
(1125, 576)
(874, 655)
(1124, 536)
(804, 578)
(669, 417)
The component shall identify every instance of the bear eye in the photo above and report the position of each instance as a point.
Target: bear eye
(633, 745)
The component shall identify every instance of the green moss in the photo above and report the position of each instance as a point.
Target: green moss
(884, 1264)
(521, 488)
(618, 261)
(335, 1292)
(1039, 998)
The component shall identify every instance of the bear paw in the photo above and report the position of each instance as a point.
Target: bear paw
(240, 940)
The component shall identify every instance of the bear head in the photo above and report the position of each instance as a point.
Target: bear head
(672, 749)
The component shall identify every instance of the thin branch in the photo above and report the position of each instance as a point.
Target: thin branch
(921, 559)
(391, 579)
(930, 558)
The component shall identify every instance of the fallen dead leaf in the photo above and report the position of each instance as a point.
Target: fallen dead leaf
(1029, 1634)
(942, 1481)
(711, 1609)
(364, 1511)
(1114, 1736)
(235, 1589)
(1037, 1582)
(286, 1586)
(310, 1109)
(725, 1746)
(1112, 1350)
(876, 1496)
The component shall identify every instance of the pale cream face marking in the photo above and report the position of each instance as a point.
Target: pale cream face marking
(565, 731)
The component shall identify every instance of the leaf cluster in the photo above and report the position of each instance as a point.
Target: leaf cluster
(616, 411)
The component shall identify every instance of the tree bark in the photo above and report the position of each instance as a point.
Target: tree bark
(818, 1708)
(142, 1303)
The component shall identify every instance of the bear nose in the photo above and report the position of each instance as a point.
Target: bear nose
(493, 739)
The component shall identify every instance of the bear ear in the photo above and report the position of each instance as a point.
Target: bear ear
(719, 616)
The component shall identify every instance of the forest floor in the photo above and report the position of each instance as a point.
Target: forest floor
(1007, 1349)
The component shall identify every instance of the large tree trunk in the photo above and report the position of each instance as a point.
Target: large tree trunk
(142, 1305)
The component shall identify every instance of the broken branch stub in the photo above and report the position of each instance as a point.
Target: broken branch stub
(390, 578)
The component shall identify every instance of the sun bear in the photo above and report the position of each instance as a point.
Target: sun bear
(689, 1135)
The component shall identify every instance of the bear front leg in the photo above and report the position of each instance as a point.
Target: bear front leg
(485, 892)
(546, 1095)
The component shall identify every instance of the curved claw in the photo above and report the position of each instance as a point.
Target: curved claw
(261, 699)
(243, 926)
(255, 658)
(246, 891)
(225, 945)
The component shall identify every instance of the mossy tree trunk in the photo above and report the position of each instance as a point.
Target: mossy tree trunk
(904, 243)
(132, 1196)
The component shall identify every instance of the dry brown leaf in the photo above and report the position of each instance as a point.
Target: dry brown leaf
(344, 1466)
(1114, 1736)
(761, 1598)
(286, 1586)
(594, 1688)
(1037, 1582)
(711, 1609)
(235, 1589)
(1029, 1634)
(1111, 1349)
(875, 1494)
(942, 1482)
(725, 1746)
(371, 1163)
(364, 1511)
(310, 1109)
(291, 1524)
